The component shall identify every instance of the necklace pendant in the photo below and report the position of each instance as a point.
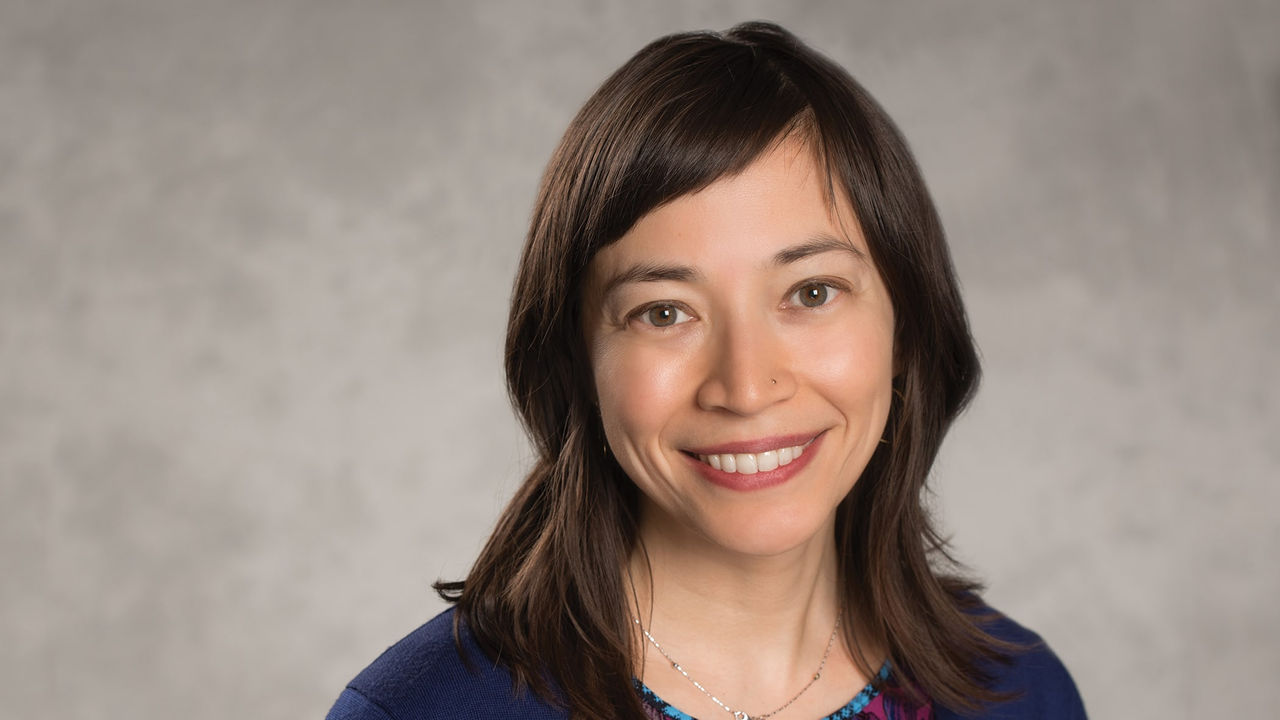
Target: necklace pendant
(740, 715)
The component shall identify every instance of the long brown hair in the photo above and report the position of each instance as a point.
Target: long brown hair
(546, 597)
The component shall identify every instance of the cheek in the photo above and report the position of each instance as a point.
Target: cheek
(640, 389)
(854, 366)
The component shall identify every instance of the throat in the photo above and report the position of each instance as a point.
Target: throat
(738, 712)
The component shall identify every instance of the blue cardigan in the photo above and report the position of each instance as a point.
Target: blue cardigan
(423, 677)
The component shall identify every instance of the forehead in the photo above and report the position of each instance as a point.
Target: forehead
(781, 199)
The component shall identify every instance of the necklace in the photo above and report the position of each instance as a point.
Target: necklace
(741, 714)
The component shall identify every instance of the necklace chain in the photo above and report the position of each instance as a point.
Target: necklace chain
(740, 714)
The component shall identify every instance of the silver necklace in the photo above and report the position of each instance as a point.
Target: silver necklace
(741, 714)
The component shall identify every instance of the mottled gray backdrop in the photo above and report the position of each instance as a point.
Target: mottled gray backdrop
(254, 259)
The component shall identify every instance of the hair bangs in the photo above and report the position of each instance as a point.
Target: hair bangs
(696, 113)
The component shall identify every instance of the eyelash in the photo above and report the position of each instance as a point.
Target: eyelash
(834, 288)
(639, 313)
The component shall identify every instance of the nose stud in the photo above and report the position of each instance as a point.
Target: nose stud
(775, 382)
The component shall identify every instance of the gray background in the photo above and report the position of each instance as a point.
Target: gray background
(254, 259)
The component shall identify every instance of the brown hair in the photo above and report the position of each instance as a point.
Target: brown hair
(547, 597)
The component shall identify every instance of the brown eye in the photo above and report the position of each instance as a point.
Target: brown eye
(813, 294)
(664, 315)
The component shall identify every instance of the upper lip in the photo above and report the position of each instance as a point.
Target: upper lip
(759, 445)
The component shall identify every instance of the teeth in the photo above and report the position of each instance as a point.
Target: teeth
(767, 461)
(752, 463)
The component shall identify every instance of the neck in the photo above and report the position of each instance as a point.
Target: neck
(767, 613)
(752, 628)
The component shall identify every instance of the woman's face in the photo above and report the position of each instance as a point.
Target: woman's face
(741, 342)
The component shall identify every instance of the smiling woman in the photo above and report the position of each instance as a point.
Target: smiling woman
(736, 342)
(754, 341)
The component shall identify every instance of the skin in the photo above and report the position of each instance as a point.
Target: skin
(746, 311)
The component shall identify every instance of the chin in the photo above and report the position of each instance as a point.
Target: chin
(774, 533)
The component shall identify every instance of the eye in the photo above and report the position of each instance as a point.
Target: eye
(663, 315)
(813, 294)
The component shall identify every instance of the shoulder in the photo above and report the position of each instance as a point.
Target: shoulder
(1039, 684)
(425, 676)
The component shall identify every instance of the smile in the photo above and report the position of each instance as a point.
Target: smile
(752, 463)
(755, 464)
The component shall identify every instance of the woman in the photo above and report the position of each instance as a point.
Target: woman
(736, 341)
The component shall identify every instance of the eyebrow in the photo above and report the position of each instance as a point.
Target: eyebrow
(650, 272)
(816, 245)
(653, 272)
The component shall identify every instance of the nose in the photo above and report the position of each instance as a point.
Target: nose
(747, 368)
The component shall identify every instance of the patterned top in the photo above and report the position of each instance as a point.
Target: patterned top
(868, 704)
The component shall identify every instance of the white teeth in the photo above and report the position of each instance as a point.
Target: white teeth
(752, 463)
(729, 463)
(767, 461)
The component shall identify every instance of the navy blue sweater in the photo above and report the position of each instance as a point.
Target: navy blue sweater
(423, 677)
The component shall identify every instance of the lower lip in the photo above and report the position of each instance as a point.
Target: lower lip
(760, 480)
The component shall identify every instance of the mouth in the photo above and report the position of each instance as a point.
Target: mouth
(757, 464)
(768, 455)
